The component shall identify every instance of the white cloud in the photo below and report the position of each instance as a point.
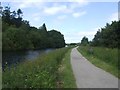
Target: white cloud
(60, 7)
(56, 9)
(78, 14)
(62, 17)
(114, 17)
(53, 9)
(26, 4)
(78, 3)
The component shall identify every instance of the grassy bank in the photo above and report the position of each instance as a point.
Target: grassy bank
(104, 58)
(40, 73)
(0, 77)
(66, 78)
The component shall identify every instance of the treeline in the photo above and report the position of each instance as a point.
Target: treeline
(19, 35)
(105, 37)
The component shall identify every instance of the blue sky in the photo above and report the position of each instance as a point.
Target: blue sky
(73, 19)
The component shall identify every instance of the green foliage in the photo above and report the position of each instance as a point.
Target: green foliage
(105, 58)
(108, 36)
(15, 38)
(84, 41)
(66, 76)
(57, 39)
(40, 73)
(0, 77)
(19, 35)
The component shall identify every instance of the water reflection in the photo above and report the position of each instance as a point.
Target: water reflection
(14, 57)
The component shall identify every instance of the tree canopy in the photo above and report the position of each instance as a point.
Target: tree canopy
(19, 35)
(107, 36)
(84, 41)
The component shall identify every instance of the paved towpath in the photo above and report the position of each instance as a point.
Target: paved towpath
(89, 76)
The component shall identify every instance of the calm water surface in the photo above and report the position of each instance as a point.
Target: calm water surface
(15, 57)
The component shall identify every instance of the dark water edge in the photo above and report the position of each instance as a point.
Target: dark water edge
(15, 57)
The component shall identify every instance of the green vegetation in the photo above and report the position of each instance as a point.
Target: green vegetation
(66, 78)
(104, 58)
(17, 34)
(103, 49)
(0, 76)
(40, 73)
(108, 36)
(84, 41)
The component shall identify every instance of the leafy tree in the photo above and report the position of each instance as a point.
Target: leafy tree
(84, 41)
(19, 35)
(107, 36)
(57, 39)
(6, 15)
(19, 13)
(96, 40)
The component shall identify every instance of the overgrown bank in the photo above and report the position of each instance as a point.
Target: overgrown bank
(41, 73)
(66, 76)
(105, 58)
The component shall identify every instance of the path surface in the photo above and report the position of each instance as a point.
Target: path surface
(89, 76)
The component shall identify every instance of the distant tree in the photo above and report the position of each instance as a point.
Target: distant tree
(19, 19)
(19, 13)
(84, 41)
(96, 40)
(6, 15)
(13, 14)
(73, 44)
(43, 29)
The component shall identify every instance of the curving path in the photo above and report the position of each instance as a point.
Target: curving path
(89, 76)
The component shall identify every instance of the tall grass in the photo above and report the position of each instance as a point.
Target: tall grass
(66, 76)
(105, 58)
(0, 76)
(40, 73)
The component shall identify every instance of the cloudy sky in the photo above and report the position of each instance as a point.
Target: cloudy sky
(73, 19)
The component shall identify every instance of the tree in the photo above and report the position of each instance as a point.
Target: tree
(6, 15)
(107, 36)
(19, 35)
(84, 41)
(57, 39)
(19, 19)
(96, 40)
(19, 13)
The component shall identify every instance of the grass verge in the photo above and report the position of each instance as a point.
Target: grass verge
(104, 58)
(40, 73)
(67, 79)
(0, 76)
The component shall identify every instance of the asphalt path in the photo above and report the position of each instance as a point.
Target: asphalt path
(89, 76)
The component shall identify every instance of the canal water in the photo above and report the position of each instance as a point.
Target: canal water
(15, 57)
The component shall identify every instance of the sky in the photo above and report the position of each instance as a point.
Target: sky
(74, 19)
